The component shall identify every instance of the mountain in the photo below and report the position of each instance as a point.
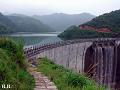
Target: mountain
(6, 25)
(61, 21)
(28, 24)
(74, 32)
(109, 21)
(106, 25)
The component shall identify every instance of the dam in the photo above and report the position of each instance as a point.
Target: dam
(98, 58)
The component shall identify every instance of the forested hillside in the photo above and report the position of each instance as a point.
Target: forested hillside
(109, 20)
(106, 25)
(6, 25)
(74, 32)
(21, 23)
(29, 24)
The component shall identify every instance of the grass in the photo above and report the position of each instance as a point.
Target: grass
(65, 79)
(13, 66)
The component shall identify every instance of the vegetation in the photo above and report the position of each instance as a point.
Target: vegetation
(29, 24)
(74, 32)
(6, 25)
(109, 20)
(21, 23)
(13, 66)
(4, 29)
(66, 79)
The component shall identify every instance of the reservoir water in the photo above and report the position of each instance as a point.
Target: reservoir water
(36, 38)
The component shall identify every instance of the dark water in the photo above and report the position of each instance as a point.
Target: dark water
(36, 38)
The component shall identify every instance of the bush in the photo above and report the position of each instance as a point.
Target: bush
(13, 66)
(76, 80)
(14, 50)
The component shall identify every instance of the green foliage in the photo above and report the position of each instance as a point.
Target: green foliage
(109, 20)
(66, 79)
(29, 24)
(4, 29)
(10, 24)
(13, 66)
(6, 25)
(74, 32)
(15, 50)
(76, 80)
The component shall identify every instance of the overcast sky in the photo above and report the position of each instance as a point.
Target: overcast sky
(41, 7)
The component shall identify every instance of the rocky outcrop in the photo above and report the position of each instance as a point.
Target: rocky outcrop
(85, 27)
(103, 29)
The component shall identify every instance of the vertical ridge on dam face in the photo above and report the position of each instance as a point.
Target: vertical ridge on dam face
(118, 68)
(102, 64)
(104, 59)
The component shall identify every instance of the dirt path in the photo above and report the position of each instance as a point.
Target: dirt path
(41, 82)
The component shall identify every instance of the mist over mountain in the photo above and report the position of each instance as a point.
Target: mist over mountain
(45, 23)
(28, 24)
(6, 25)
(61, 21)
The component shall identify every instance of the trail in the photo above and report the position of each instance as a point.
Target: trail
(41, 82)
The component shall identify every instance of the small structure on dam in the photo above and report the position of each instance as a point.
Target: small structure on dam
(98, 58)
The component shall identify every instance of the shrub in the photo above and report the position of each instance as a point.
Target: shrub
(76, 80)
(14, 50)
(12, 69)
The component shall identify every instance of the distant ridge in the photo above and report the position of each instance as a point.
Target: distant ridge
(6, 25)
(61, 21)
(29, 24)
(21, 23)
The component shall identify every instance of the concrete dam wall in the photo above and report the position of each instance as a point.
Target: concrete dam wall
(70, 56)
(99, 59)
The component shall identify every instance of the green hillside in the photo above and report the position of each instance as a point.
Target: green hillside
(6, 25)
(21, 23)
(74, 32)
(109, 20)
(29, 24)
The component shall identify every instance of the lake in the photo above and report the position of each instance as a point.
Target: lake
(36, 38)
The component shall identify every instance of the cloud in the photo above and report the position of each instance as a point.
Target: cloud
(51, 6)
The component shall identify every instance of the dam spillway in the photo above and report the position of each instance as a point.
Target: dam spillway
(102, 65)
